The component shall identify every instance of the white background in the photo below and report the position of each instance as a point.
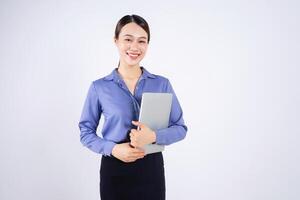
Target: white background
(233, 64)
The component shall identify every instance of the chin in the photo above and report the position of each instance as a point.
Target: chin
(130, 63)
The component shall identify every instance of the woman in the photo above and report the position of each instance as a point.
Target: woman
(126, 172)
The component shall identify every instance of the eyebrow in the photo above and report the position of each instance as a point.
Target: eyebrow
(133, 36)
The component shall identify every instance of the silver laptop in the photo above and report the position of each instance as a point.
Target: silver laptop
(155, 113)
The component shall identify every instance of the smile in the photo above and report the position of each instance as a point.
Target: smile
(133, 55)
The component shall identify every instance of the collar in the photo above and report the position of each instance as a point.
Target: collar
(114, 75)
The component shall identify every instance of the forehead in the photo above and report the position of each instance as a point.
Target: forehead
(134, 30)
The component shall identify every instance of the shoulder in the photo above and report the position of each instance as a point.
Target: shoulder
(164, 81)
(153, 77)
(160, 78)
(161, 82)
(98, 83)
(102, 81)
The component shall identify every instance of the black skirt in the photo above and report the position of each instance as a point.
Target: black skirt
(143, 179)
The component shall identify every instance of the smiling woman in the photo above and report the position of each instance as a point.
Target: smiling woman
(129, 39)
(132, 43)
(126, 172)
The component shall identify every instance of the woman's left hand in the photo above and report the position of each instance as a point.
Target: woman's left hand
(145, 135)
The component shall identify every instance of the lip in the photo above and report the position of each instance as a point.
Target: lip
(133, 55)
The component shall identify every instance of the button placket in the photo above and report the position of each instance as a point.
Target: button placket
(136, 106)
(138, 87)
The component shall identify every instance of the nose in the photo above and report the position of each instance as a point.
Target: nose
(134, 45)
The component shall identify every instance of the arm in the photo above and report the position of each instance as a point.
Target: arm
(177, 128)
(88, 124)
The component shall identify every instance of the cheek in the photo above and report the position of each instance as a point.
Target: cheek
(123, 47)
(144, 48)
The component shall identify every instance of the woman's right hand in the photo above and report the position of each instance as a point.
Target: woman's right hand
(126, 153)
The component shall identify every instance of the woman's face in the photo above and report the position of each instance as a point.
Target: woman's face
(132, 44)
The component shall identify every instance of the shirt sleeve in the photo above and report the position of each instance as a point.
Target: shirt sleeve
(88, 124)
(177, 129)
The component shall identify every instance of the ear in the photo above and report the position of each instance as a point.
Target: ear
(115, 40)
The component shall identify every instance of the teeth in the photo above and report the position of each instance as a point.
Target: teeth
(133, 55)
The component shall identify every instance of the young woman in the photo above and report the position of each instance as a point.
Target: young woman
(126, 172)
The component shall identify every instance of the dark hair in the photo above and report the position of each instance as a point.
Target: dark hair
(132, 18)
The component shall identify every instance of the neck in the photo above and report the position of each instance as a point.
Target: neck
(129, 72)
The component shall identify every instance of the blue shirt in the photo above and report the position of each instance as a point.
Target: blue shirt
(110, 97)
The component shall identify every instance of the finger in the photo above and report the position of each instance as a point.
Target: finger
(133, 142)
(137, 150)
(130, 160)
(137, 123)
(138, 158)
(131, 146)
(138, 154)
(131, 134)
(132, 157)
(141, 156)
(133, 130)
(135, 157)
(136, 147)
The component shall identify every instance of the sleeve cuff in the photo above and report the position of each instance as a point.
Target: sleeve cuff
(108, 148)
(159, 136)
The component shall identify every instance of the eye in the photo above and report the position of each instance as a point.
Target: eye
(142, 41)
(127, 39)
